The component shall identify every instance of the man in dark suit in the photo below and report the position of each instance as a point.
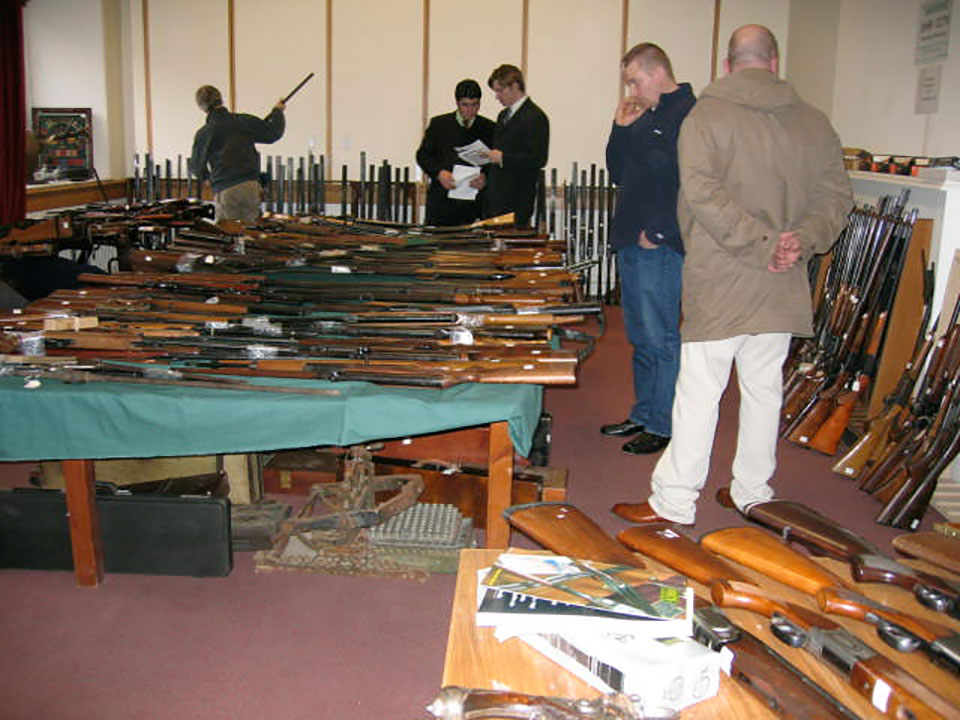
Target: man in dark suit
(437, 155)
(519, 151)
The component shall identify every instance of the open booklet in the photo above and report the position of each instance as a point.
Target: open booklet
(525, 593)
(475, 153)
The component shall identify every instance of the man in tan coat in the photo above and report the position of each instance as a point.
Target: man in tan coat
(762, 189)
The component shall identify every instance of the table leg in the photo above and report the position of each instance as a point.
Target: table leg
(499, 485)
(84, 522)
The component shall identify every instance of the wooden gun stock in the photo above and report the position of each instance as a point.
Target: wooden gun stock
(812, 417)
(906, 509)
(799, 399)
(792, 624)
(853, 462)
(679, 552)
(827, 437)
(890, 689)
(565, 530)
(878, 431)
(798, 523)
(762, 551)
(934, 547)
(894, 457)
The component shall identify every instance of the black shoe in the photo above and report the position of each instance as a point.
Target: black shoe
(620, 429)
(646, 443)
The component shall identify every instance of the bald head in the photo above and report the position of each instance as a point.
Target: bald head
(752, 46)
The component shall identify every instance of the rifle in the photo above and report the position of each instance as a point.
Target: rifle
(932, 444)
(906, 508)
(795, 522)
(934, 547)
(172, 378)
(761, 551)
(877, 434)
(780, 686)
(865, 670)
(858, 294)
(296, 89)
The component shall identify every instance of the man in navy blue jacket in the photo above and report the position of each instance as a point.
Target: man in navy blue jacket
(642, 161)
(224, 152)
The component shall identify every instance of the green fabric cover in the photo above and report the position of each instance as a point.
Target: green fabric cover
(115, 420)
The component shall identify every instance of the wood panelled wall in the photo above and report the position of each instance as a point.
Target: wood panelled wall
(383, 67)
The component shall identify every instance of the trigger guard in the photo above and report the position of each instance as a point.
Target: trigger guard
(788, 633)
(896, 637)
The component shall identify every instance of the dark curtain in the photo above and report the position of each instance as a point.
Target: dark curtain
(13, 188)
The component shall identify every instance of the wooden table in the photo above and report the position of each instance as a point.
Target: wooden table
(79, 479)
(79, 422)
(474, 659)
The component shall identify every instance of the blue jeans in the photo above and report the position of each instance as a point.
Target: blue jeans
(650, 282)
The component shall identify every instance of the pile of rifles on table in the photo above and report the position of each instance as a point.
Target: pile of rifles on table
(313, 298)
(908, 444)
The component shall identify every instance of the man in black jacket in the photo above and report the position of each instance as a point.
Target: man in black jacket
(224, 152)
(437, 155)
(519, 151)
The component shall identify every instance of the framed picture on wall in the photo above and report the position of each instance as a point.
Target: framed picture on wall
(65, 136)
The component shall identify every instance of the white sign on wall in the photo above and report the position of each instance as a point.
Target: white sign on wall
(933, 32)
(928, 90)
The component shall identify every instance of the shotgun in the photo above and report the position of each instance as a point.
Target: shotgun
(926, 463)
(795, 522)
(869, 673)
(296, 89)
(877, 434)
(763, 552)
(788, 693)
(907, 507)
(934, 547)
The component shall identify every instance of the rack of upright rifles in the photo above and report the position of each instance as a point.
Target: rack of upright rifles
(312, 297)
(869, 298)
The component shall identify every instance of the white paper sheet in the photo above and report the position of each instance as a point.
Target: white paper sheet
(463, 174)
(475, 153)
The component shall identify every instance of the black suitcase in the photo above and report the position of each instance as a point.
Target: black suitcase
(149, 534)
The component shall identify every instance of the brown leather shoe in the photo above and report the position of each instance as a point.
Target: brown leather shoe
(724, 498)
(641, 514)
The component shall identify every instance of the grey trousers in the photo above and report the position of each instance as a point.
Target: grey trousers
(239, 202)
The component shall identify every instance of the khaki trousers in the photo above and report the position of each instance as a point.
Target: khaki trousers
(238, 202)
(682, 470)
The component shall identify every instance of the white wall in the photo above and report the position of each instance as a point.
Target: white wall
(272, 58)
(873, 104)
(64, 49)
(775, 14)
(573, 74)
(457, 52)
(688, 43)
(812, 40)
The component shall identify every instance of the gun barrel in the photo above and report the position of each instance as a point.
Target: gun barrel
(297, 88)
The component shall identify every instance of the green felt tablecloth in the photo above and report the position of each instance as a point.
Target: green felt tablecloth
(114, 420)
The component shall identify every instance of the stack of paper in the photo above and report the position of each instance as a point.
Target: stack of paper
(620, 628)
